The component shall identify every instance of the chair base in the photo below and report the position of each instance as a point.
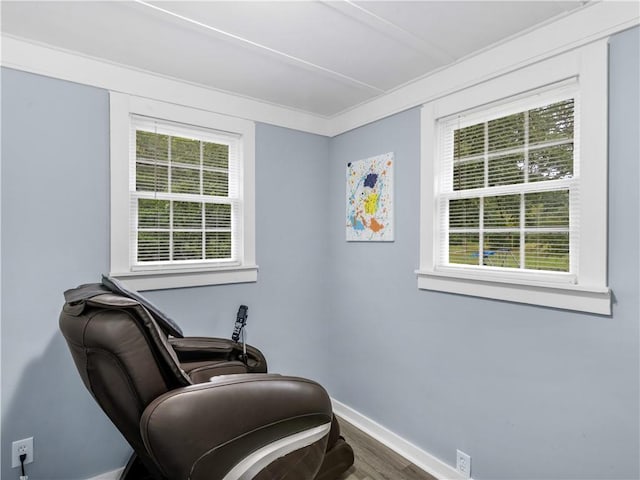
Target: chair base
(337, 460)
(135, 470)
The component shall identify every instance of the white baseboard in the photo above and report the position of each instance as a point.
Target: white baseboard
(112, 475)
(427, 462)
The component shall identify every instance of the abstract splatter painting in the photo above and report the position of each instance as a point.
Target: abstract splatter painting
(370, 199)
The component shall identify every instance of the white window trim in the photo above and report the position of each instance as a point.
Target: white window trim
(122, 106)
(590, 293)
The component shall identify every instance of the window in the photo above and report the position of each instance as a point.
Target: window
(182, 196)
(512, 184)
(185, 202)
(509, 180)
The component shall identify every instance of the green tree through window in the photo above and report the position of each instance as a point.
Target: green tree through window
(184, 211)
(524, 152)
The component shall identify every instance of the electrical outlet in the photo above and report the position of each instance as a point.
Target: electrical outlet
(18, 448)
(463, 464)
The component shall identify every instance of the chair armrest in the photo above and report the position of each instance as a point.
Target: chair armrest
(191, 349)
(201, 432)
(201, 346)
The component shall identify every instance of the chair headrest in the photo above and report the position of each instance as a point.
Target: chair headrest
(112, 285)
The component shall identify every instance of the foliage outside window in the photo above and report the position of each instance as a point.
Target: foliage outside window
(184, 199)
(507, 189)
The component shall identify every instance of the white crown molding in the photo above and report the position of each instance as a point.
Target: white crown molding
(21, 54)
(591, 23)
(426, 461)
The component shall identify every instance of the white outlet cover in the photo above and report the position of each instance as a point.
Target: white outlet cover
(463, 464)
(27, 443)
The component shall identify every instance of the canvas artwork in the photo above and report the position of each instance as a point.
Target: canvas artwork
(370, 199)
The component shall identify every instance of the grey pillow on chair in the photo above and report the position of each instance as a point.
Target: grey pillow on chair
(167, 324)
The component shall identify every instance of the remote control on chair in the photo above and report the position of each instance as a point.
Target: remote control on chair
(238, 330)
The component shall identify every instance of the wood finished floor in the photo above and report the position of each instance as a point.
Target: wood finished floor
(374, 461)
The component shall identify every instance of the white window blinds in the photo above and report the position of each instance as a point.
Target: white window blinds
(508, 196)
(185, 195)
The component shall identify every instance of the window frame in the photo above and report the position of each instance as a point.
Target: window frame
(122, 108)
(587, 66)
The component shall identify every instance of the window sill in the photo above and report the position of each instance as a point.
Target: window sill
(179, 278)
(565, 296)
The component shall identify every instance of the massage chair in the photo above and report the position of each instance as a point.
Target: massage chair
(196, 408)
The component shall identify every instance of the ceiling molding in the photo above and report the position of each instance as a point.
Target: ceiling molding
(591, 23)
(46, 60)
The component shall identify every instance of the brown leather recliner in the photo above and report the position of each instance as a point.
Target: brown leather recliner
(182, 424)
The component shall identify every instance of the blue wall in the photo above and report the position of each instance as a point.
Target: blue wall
(528, 392)
(55, 235)
(55, 219)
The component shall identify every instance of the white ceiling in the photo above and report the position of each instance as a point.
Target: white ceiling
(318, 57)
